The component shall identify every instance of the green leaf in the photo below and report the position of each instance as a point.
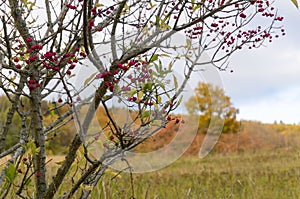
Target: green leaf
(295, 2)
(163, 23)
(161, 85)
(10, 172)
(147, 87)
(146, 114)
(28, 182)
(175, 82)
(90, 78)
(179, 102)
(132, 92)
(196, 7)
(33, 148)
(52, 113)
(164, 55)
(156, 67)
(154, 58)
(157, 18)
(170, 66)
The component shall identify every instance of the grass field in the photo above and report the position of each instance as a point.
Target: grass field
(261, 175)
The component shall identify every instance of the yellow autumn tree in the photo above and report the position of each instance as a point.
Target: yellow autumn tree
(210, 102)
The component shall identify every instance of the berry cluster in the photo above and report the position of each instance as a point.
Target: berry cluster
(230, 35)
(50, 61)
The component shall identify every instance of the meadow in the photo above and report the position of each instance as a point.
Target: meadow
(262, 175)
(262, 161)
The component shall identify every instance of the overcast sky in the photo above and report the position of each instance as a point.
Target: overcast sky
(265, 84)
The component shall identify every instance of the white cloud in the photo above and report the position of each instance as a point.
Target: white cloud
(283, 106)
(265, 84)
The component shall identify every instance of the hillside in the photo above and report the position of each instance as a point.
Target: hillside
(252, 135)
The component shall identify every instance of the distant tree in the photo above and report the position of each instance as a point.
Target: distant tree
(210, 102)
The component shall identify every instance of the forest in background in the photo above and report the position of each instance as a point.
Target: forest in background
(251, 136)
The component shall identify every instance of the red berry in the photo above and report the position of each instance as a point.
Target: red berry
(120, 65)
(72, 66)
(71, 7)
(16, 59)
(19, 171)
(169, 118)
(105, 145)
(131, 63)
(67, 55)
(31, 81)
(260, 9)
(68, 72)
(31, 86)
(82, 54)
(111, 88)
(96, 137)
(242, 15)
(111, 137)
(214, 25)
(134, 99)
(59, 100)
(28, 39)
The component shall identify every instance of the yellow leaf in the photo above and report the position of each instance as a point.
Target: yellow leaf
(89, 78)
(109, 171)
(140, 95)
(82, 49)
(87, 187)
(59, 163)
(295, 2)
(126, 7)
(159, 99)
(29, 4)
(99, 5)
